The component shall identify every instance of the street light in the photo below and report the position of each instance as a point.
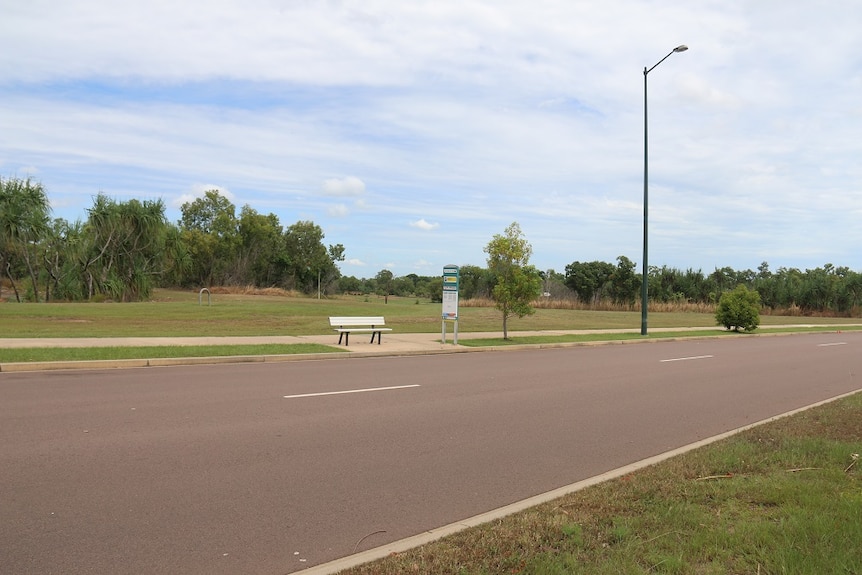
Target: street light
(644, 281)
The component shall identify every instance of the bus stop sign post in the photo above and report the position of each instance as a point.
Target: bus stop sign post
(451, 281)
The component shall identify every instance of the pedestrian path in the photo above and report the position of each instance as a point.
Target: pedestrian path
(392, 341)
(393, 344)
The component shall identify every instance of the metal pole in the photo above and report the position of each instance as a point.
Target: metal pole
(644, 279)
(645, 276)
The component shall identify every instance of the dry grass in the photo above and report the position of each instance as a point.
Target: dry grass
(602, 305)
(658, 307)
(252, 290)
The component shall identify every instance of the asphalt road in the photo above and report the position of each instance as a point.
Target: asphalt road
(212, 469)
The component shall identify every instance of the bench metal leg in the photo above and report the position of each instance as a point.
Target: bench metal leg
(346, 336)
(377, 333)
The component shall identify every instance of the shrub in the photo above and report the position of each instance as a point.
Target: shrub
(739, 309)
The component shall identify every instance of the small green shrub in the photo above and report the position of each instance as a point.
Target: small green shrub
(739, 309)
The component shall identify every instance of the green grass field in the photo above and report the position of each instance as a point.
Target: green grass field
(173, 313)
(178, 314)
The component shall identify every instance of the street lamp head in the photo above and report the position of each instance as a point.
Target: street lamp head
(681, 48)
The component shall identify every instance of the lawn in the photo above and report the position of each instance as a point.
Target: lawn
(174, 313)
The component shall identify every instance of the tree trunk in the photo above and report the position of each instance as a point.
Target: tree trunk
(12, 281)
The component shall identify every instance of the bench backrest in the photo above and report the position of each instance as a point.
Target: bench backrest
(356, 321)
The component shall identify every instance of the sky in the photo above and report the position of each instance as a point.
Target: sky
(414, 131)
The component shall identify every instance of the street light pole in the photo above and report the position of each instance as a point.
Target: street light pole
(644, 280)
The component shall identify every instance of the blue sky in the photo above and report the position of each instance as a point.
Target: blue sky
(412, 132)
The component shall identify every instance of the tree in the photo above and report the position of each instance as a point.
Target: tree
(211, 214)
(310, 262)
(589, 279)
(127, 247)
(518, 283)
(624, 282)
(383, 281)
(739, 309)
(261, 259)
(210, 231)
(475, 282)
(65, 251)
(24, 221)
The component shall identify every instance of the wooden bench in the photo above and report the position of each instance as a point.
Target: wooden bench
(347, 325)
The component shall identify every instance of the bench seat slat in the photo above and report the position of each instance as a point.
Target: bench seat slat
(356, 321)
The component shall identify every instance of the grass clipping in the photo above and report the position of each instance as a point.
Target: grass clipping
(785, 497)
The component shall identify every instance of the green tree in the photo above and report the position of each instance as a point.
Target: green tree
(65, 250)
(624, 282)
(310, 262)
(518, 284)
(589, 279)
(177, 261)
(383, 280)
(24, 223)
(127, 247)
(739, 309)
(475, 282)
(261, 259)
(210, 214)
(331, 273)
(210, 232)
(818, 289)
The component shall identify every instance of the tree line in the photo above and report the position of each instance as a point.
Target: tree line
(125, 249)
(122, 250)
(596, 284)
(826, 289)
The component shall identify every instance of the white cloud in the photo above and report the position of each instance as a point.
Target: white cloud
(349, 186)
(424, 225)
(355, 262)
(469, 114)
(697, 89)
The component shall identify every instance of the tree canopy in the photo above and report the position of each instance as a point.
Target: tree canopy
(518, 284)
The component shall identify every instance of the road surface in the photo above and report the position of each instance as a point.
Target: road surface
(272, 468)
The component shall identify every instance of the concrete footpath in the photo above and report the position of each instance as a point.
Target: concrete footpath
(393, 344)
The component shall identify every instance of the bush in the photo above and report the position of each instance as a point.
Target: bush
(739, 309)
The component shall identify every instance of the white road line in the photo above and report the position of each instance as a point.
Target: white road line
(349, 391)
(831, 344)
(686, 358)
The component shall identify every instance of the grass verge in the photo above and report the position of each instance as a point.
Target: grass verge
(152, 352)
(785, 497)
(590, 337)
